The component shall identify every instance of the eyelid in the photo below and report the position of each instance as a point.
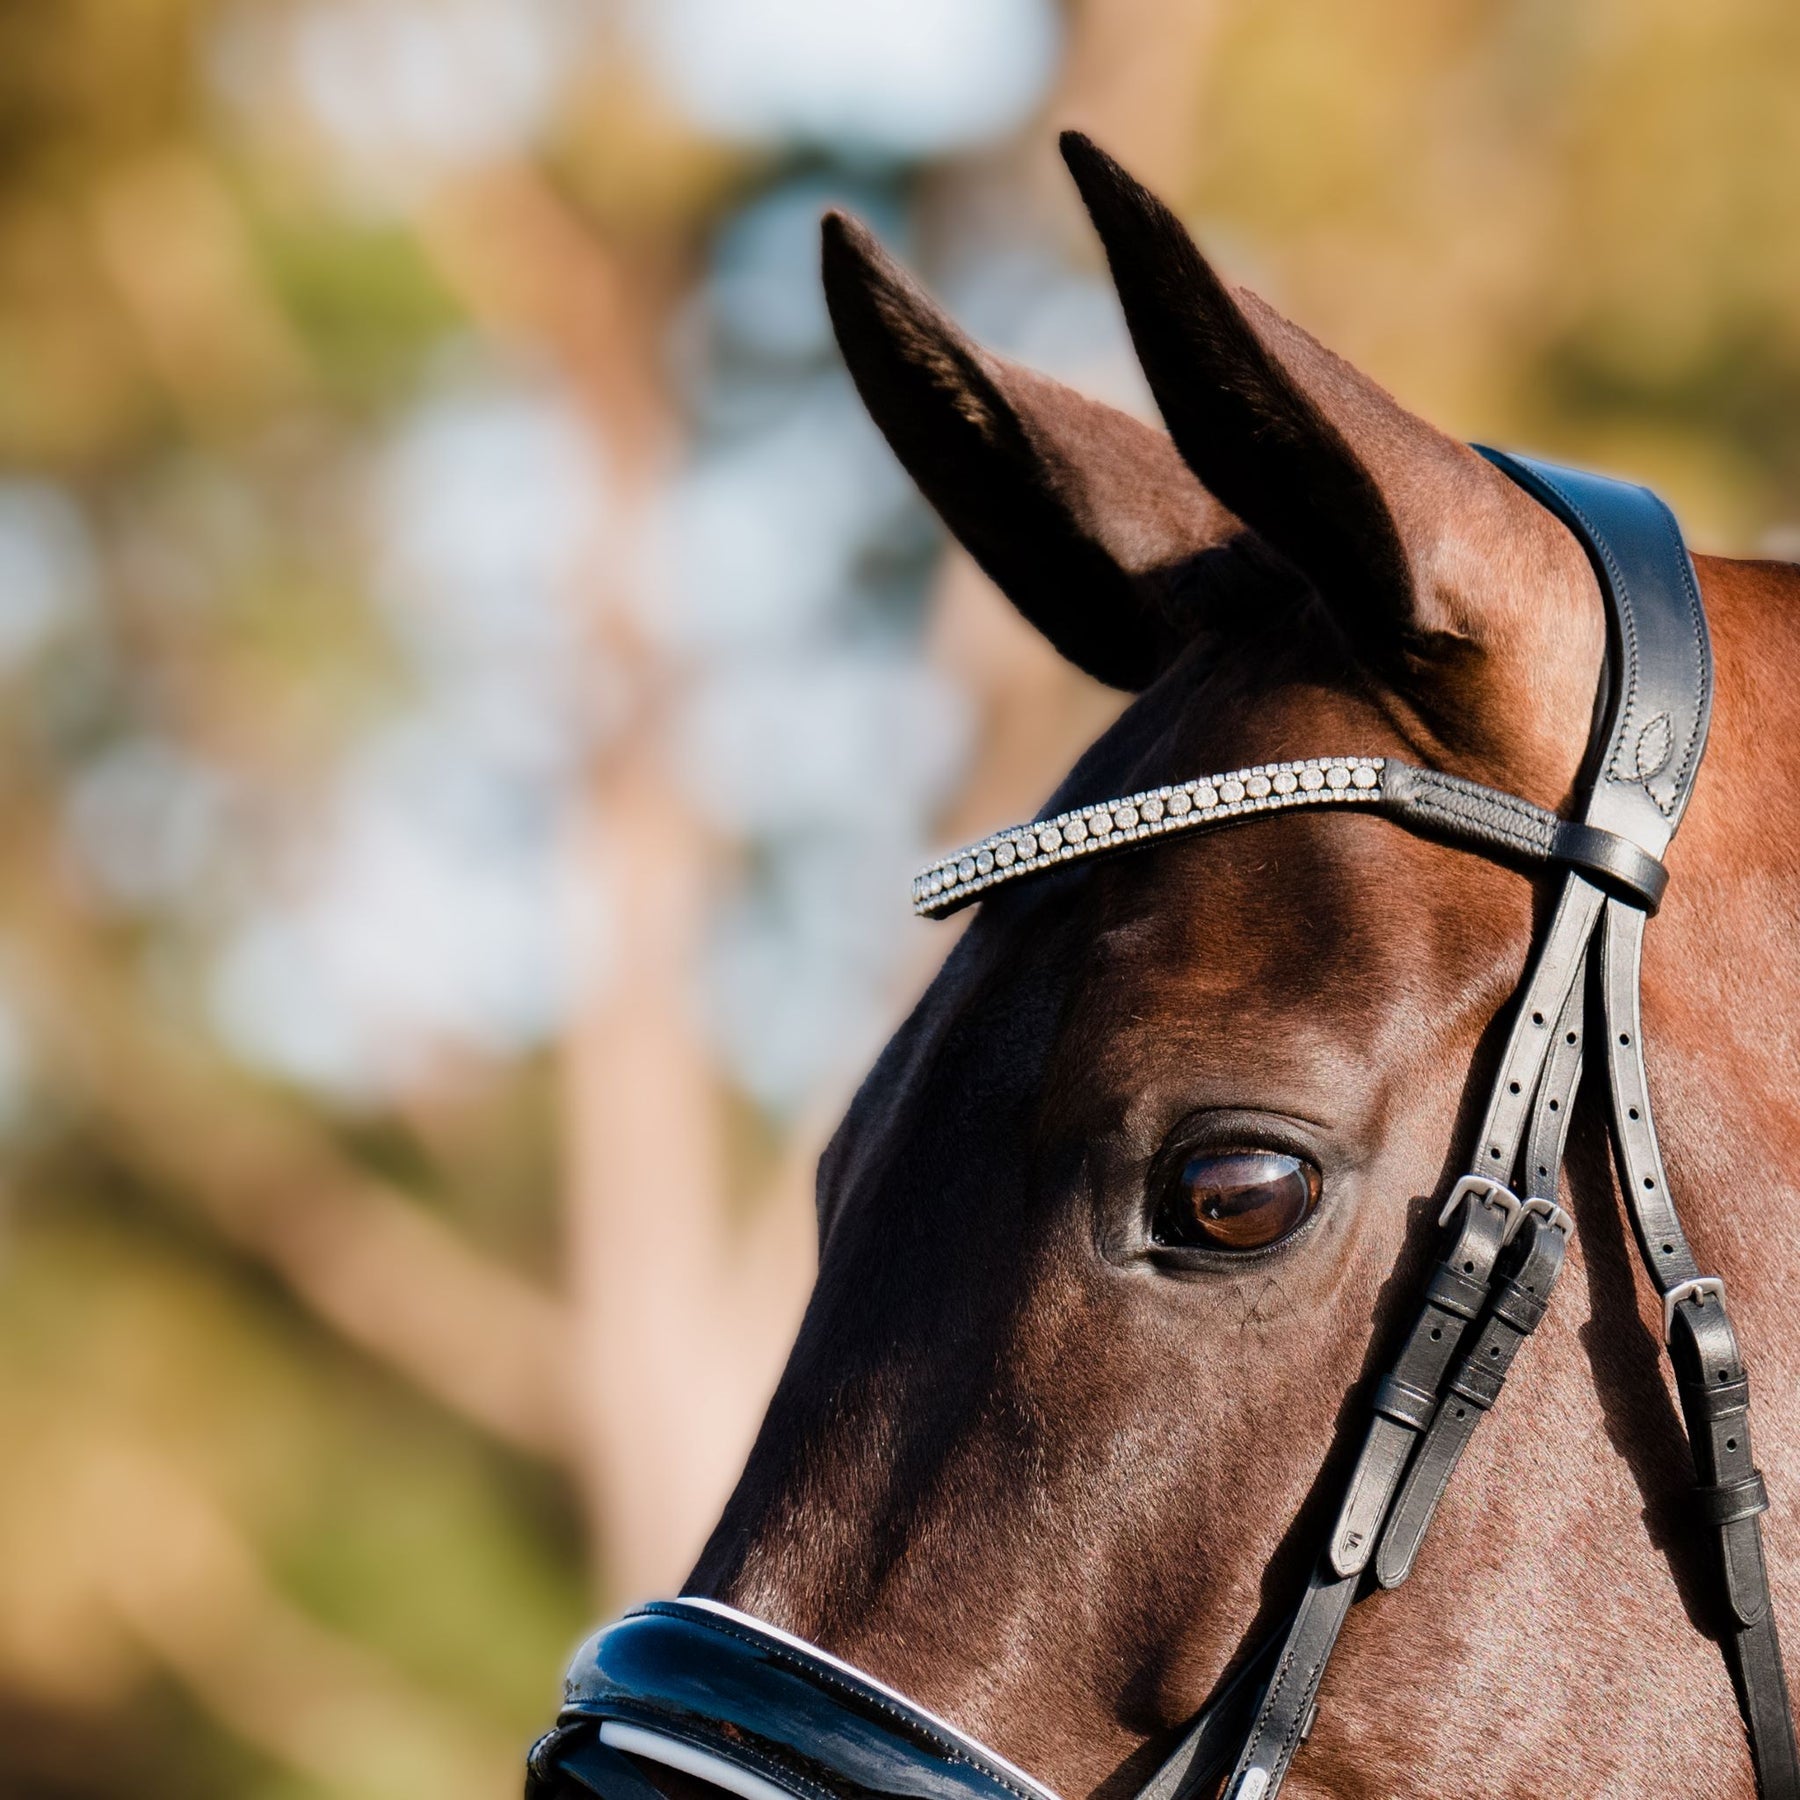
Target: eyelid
(1219, 1129)
(1224, 1131)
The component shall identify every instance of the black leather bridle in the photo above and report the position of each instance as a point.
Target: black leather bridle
(699, 1687)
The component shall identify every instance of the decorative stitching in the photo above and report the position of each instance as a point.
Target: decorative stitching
(1703, 660)
(1260, 1733)
(1499, 817)
(1628, 617)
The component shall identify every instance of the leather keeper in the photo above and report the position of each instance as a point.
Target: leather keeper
(1404, 1404)
(1479, 1384)
(1614, 862)
(1718, 1400)
(1730, 1501)
(1455, 1292)
(1514, 1307)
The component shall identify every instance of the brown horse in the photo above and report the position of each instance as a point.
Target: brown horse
(1050, 1467)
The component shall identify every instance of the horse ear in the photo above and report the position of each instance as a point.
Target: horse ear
(1085, 518)
(1435, 568)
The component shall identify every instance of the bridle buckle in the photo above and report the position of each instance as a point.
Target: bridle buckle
(1490, 1193)
(1547, 1210)
(1697, 1289)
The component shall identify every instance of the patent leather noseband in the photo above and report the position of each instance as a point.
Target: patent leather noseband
(700, 1687)
(697, 1687)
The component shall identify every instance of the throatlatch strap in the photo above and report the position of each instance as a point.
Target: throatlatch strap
(1709, 1373)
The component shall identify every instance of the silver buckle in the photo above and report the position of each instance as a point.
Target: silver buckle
(1490, 1192)
(1696, 1289)
(1547, 1210)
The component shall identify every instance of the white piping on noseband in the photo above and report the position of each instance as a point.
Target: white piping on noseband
(866, 1680)
(673, 1753)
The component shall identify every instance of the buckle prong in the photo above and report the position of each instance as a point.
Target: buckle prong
(1489, 1192)
(1697, 1289)
(1547, 1210)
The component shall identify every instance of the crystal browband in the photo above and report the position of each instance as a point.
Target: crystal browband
(1426, 800)
(1114, 824)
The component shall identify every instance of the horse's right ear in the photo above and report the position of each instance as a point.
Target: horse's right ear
(1083, 516)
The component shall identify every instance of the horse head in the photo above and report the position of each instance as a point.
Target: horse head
(1124, 1223)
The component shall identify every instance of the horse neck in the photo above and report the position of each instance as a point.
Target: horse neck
(1722, 960)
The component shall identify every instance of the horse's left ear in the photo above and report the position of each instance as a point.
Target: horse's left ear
(1441, 575)
(1086, 519)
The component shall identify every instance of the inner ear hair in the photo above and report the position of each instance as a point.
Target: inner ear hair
(1078, 512)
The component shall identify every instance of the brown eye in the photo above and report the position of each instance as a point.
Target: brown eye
(1235, 1200)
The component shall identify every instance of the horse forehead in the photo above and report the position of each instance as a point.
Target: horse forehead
(1273, 956)
(1278, 938)
(1276, 917)
(1292, 909)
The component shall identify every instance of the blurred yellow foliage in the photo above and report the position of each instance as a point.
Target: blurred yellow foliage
(319, 1413)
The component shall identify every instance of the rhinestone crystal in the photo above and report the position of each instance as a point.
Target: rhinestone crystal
(1070, 836)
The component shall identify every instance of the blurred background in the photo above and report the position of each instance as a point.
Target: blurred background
(473, 689)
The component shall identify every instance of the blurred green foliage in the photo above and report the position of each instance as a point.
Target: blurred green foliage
(231, 1516)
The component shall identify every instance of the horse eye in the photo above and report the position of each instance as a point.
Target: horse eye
(1235, 1200)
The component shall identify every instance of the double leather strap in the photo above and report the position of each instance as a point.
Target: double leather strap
(711, 1692)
